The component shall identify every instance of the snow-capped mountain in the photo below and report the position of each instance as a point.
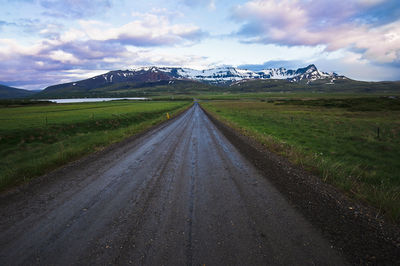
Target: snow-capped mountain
(220, 76)
(223, 75)
(216, 76)
(311, 73)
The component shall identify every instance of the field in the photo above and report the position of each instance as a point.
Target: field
(259, 96)
(37, 138)
(353, 143)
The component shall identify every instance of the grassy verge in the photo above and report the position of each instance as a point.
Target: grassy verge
(336, 139)
(37, 139)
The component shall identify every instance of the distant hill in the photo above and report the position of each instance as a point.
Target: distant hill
(126, 89)
(14, 93)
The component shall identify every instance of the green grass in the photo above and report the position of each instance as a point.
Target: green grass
(267, 96)
(35, 139)
(334, 138)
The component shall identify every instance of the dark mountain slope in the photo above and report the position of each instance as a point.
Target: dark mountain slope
(7, 92)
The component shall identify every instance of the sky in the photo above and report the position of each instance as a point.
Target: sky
(47, 42)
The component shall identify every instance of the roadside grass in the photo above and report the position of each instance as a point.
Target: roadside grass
(334, 138)
(37, 139)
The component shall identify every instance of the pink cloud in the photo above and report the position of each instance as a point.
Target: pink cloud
(92, 46)
(335, 24)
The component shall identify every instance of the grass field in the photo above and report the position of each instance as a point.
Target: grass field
(37, 138)
(265, 96)
(334, 138)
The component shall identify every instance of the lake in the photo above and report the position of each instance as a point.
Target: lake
(83, 100)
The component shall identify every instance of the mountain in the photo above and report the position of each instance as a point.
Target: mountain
(13, 93)
(311, 73)
(152, 81)
(111, 78)
(139, 81)
(228, 75)
(88, 88)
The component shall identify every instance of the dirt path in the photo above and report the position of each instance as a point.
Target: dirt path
(179, 195)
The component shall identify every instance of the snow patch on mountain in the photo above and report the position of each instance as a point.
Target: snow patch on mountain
(221, 75)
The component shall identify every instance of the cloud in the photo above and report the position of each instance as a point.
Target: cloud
(63, 57)
(355, 66)
(93, 45)
(288, 64)
(49, 62)
(354, 25)
(370, 2)
(5, 23)
(74, 8)
(43, 65)
(210, 4)
(33, 27)
(146, 30)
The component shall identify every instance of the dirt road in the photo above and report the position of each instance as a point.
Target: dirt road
(179, 195)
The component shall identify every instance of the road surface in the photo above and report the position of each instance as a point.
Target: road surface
(180, 194)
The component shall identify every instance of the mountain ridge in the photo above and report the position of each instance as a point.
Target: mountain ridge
(7, 92)
(220, 76)
(228, 74)
(153, 81)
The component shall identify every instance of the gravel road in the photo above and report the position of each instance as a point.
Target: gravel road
(181, 194)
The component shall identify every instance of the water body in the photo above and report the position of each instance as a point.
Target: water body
(83, 100)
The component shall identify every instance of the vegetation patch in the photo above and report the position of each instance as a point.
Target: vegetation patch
(353, 144)
(22, 102)
(37, 138)
(388, 103)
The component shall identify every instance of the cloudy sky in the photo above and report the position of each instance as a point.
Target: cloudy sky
(45, 42)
